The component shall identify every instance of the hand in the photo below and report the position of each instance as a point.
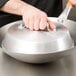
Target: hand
(35, 19)
(73, 2)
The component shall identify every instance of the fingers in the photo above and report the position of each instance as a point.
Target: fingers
(43, 23)
(35, 19)
(26, 21)
(36, 23)
(31, 23)
(40, 21)
(51, 25)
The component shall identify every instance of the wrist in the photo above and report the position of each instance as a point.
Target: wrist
(18, 6)
(24, 7)
(21, 7)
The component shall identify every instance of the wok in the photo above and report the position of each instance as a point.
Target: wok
(45, 57)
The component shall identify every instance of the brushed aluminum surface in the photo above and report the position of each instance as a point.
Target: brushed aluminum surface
(36, 46)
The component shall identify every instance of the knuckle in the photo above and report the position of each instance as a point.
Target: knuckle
(44, 14)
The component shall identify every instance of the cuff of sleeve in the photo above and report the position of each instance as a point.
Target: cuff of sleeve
(2, 2)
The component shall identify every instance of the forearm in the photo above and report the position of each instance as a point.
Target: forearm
(33, 18)
(14, 7)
